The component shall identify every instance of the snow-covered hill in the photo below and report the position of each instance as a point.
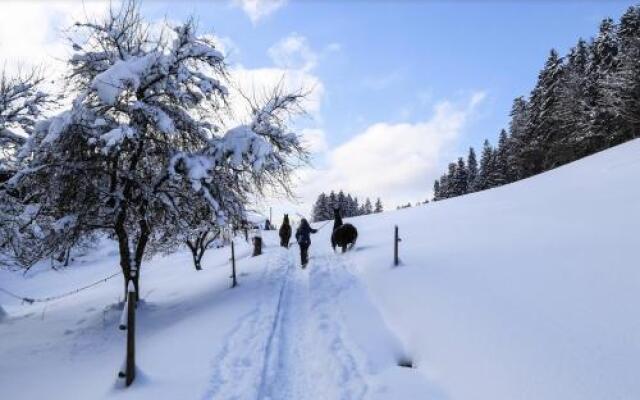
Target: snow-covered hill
(528, 291)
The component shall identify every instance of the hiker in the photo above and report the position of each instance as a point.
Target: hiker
(303, 236)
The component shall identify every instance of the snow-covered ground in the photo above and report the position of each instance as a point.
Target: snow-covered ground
(528, 291)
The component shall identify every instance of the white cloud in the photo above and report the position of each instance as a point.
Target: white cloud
(395, 161)
(257, 83)
(224, 44)
(315, 140)
(259, 9)
(30, 31)
(293, 52)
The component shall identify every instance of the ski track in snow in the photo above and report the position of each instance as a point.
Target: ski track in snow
(292, 344)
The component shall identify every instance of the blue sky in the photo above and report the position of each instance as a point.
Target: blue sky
(436, 77)
(392, 62)
(412, 49)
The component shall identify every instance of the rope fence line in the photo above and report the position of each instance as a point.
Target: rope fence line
(325, 224)
(31, 300)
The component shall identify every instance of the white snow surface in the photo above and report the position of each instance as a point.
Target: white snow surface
(528, 291)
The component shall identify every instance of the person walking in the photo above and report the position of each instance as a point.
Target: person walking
(303, 237)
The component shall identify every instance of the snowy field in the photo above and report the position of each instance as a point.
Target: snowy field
(527, 291)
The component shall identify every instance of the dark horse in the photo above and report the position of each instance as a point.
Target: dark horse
(285, 232)
(344, 235)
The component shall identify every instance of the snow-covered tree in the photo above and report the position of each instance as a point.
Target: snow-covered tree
(367, 207)
(626, 79)
(319, 212)
(356, 206)
(378, 208)
(436, 190)
(501, 161)
(460, 178)
(518, 128)
(545, 115)
(22, 103)
(349, 208)
(144, 137)
(472, 170)
(486, 167)
(603, 99)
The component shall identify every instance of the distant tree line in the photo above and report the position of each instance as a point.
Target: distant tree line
(350, 206)
(582, 103)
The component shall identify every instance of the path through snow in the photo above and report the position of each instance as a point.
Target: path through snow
(293, 343)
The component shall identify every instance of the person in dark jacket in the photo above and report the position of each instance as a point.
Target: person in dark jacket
(303, 236)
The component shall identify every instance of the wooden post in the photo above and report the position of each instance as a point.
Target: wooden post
(257, 244)
(234, 282)
(396, 240)
(129, 372)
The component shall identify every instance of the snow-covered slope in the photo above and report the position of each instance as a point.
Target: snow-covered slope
(528, 291)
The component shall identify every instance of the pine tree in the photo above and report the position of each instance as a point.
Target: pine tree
(367, 208)
(486, 167)
(472, 170)
(444, 187)
(341, 200)
(545, 116)
(603, 100)
(501, 166)
(460, 178)
(378, 207)
(347, 207)
(573, 111)
(436, 190)
(333, 202)
(518, 127)
(451, 188)
(320, 208)
(356, 206)
(627, 76)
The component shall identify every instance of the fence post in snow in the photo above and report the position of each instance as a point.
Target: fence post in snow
(396, 240)
(257, 244)
(234, 282)
(129, 315)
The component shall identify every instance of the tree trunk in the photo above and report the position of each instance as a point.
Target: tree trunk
(66, 259)
(131, 267)
(196, 253)
(196, 261)
(123, 247)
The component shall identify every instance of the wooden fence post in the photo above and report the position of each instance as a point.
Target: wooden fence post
(234, 283)
(257, 244)
(396, 240)
(129, 314)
